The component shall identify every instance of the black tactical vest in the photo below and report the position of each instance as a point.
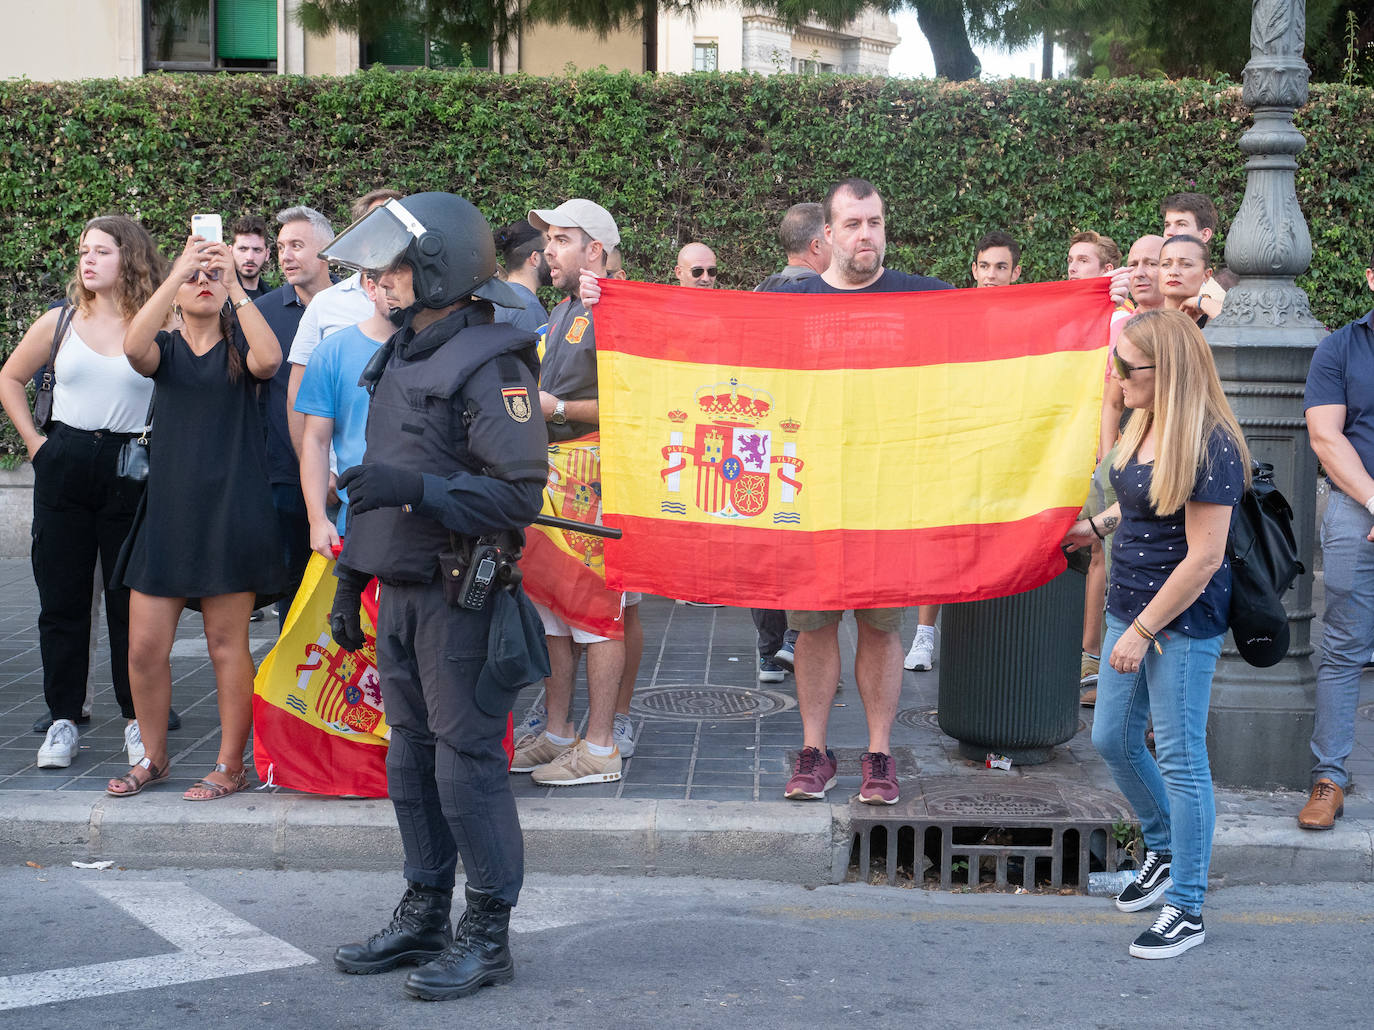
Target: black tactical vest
(415, 422)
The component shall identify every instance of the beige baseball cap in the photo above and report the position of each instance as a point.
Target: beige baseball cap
(587, 215)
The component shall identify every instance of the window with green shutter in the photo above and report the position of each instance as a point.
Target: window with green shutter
(210, 35)
(246, 30)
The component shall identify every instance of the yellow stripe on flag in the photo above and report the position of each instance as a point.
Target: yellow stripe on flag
(894, 448)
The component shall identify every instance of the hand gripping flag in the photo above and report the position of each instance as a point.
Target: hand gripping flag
(846, 451)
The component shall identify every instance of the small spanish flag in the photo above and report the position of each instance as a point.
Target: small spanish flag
(846, 451)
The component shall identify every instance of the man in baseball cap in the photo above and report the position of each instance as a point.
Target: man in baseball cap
(581, 235)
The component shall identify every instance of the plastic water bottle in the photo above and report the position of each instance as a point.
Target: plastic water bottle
(1109, 885)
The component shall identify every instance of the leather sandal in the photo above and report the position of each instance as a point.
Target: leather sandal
(214, 791)
(131, 784)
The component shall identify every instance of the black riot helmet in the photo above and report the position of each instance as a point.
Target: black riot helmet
(444, 239)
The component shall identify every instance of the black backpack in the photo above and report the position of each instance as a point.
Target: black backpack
(1264, 563)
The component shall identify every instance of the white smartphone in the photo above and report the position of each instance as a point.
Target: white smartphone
(209, 226)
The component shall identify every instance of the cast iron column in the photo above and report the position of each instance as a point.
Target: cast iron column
(1261, 719)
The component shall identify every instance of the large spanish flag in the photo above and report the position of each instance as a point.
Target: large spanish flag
(850, 450)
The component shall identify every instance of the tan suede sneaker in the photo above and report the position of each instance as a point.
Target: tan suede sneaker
(1324, 807)
(532, 752)
(576, 766)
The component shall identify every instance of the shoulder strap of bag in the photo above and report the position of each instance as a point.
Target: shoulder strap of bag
(148, 420)
(64, 321)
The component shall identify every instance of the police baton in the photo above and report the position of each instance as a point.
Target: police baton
(573, 526)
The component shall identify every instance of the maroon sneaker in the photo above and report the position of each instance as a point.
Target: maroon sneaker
(879, 785)
(813, 776)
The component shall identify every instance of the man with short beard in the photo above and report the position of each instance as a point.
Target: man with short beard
(248, 236)
(521, 247)
(856, 229)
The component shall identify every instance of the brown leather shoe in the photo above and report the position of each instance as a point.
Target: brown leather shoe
(1324, 807)
(1088, 699)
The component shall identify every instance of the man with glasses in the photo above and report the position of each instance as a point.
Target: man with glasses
(696, 266)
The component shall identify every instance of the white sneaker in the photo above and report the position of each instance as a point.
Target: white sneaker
(536, 718)
(59, 745)
(623, 734)
(133, 743)
(922, 653)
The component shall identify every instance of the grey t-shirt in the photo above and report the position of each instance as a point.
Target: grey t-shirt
(568, 370)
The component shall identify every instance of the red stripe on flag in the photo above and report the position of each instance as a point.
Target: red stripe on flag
(836, 569)
(567, 587)
(825, 332)
(309, 759)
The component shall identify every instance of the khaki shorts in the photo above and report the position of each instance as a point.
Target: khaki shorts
(884, 620)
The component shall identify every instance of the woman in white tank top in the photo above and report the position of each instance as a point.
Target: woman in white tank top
(81, 508)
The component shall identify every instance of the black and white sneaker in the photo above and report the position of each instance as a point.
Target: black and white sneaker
(1173, 933)
(1149, 886)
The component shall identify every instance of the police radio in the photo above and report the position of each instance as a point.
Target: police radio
(482, 572)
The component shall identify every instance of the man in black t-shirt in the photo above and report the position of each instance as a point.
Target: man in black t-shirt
(855, 227)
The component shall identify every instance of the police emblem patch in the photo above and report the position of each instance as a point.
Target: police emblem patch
(517, 402)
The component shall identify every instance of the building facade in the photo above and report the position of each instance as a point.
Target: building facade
(121, 38)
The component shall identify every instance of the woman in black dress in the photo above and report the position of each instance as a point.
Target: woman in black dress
(206, 531)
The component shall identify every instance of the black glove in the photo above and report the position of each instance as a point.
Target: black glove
(375, 485)
(345, 618)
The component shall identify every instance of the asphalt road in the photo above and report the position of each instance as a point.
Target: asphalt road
(175, 948)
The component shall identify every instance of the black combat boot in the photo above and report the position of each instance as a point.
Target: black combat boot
(479, 955)
(418, 932)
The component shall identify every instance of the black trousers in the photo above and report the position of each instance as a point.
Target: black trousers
(294, 525)
(772, 628)
(81, 509)
(446, 768)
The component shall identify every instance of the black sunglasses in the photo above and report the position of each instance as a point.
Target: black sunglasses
(1124, 370)
(697, 270)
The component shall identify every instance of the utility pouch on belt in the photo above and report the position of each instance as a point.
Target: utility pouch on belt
(452, 566)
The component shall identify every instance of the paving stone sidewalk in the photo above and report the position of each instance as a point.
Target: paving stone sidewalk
(705, 729)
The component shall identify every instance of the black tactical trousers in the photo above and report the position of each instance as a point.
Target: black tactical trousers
(446, 767)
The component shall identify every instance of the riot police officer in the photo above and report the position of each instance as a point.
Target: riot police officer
(454, 469)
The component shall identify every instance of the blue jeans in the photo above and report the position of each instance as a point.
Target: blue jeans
(1171, 795)
(1348, 639)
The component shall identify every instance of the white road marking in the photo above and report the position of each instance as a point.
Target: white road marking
(210, 942)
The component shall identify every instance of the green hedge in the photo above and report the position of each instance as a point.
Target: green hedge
(675, 158)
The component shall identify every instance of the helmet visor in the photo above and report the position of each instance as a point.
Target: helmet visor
(375, 241)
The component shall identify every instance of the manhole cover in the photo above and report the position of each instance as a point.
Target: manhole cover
(959, 800)
(1366, 711)
(709, 703)
(922, 719)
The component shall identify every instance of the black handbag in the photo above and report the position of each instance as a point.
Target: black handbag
(133, 456)
(42, 400)
(1263, 553)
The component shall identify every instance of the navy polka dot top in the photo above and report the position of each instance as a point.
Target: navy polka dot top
(1148, 546)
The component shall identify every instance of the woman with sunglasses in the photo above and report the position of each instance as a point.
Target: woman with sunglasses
(82, 509)
(1181, 467)
(1185, 265)
(206, 531)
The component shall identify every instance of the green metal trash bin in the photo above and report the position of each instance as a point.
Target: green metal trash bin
(1009, 671)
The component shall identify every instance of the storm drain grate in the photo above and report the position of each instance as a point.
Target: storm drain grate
(966, 833)
(708, 703)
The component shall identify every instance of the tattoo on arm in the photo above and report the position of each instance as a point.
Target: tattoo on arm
(1110, 523)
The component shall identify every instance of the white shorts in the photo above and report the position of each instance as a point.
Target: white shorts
(555, 626)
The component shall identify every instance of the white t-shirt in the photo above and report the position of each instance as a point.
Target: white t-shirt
(93, 391)
(344, 304)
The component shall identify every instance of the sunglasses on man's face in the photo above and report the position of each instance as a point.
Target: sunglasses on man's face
(210, 273)
(698, 271)
(1124, 370)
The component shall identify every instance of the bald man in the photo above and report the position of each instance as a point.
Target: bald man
(696, 266)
